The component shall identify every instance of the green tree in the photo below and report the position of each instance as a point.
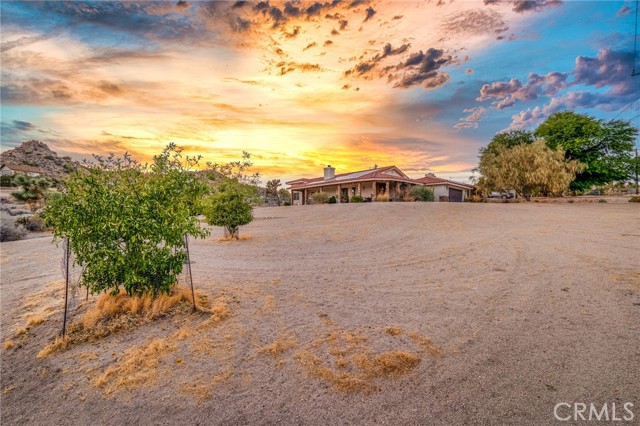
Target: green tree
(272, 189)
(508, 139)
(126, 222)
(528, 169)
(230, 206)
(32, 191)
(285, 196)
(422, 193)
(605, 147)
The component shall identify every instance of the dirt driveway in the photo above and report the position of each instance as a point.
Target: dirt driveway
(502, 311)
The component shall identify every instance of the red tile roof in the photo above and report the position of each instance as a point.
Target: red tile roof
(432, 180)
(362, 175)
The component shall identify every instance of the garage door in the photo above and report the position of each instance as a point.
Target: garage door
(455, 195)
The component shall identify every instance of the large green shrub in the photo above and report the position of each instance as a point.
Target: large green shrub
(357, 199)
(126, 222)
(230, 206)
(422, 193)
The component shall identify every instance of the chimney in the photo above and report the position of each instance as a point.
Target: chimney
(329, 172)
(430, 175)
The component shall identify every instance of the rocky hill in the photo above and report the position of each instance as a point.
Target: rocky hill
(38, 154)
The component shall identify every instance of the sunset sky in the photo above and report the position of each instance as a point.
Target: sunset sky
(422, 85)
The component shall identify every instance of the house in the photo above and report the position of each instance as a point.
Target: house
(371, 184)
(445, 189)
(10, 169)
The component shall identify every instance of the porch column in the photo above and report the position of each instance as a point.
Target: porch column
(304, 197)
(359, 189)
(339, 193)
(386, 188)
(375, 190)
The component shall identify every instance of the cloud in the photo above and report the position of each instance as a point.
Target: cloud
(310, 45)
(422, 69)
(367, 66)
(471, 120)
(624, 11)
(23, 125)
(287, 67)
(609, 68)
(370, 12)
(521, 6)
(475, 21)
(22, 41)
(506, 93)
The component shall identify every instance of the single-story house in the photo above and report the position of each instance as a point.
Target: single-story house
(371, 184)
(11, 169)
(452, 190)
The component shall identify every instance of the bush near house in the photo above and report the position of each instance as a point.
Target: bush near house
(332, 200)
(357, 199)
(422, 193)
(382, 198)
(320, 197)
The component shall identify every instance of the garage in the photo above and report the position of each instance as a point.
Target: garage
(455, 195)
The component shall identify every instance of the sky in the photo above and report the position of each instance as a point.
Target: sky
(301, 84)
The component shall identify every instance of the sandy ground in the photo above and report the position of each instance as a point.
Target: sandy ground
(510, 309)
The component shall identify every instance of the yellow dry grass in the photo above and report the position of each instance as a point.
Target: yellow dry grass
(387, 363)
(279, 346)
(108, 307)
(199, 390)
(432, 348)
(88, 356)
(219, 311)
(352, 365)
(393, 330)
(138, 366)
(57, 345)
(34, 319)
(344, 382)
(8, 344)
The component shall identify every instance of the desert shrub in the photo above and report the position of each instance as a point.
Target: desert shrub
(422, 193)
(32, 223)
(357, 199)
(332, 200)
(382, 198)
(635, 199)
(320, 197)
(32, 190)
(6, 180)
(473, 199)
(10, 232)
(230, 206)
(126, 222)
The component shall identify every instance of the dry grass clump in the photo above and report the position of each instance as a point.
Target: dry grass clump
(219, 311)
(109, 307)
(434, 350)
(387, 363)
(8, 344)
(393, 330)
(138, 365)
(34, 319)
(356, 367)
(344, 382)
(200, 390)
(58, 345)
(279, 346)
